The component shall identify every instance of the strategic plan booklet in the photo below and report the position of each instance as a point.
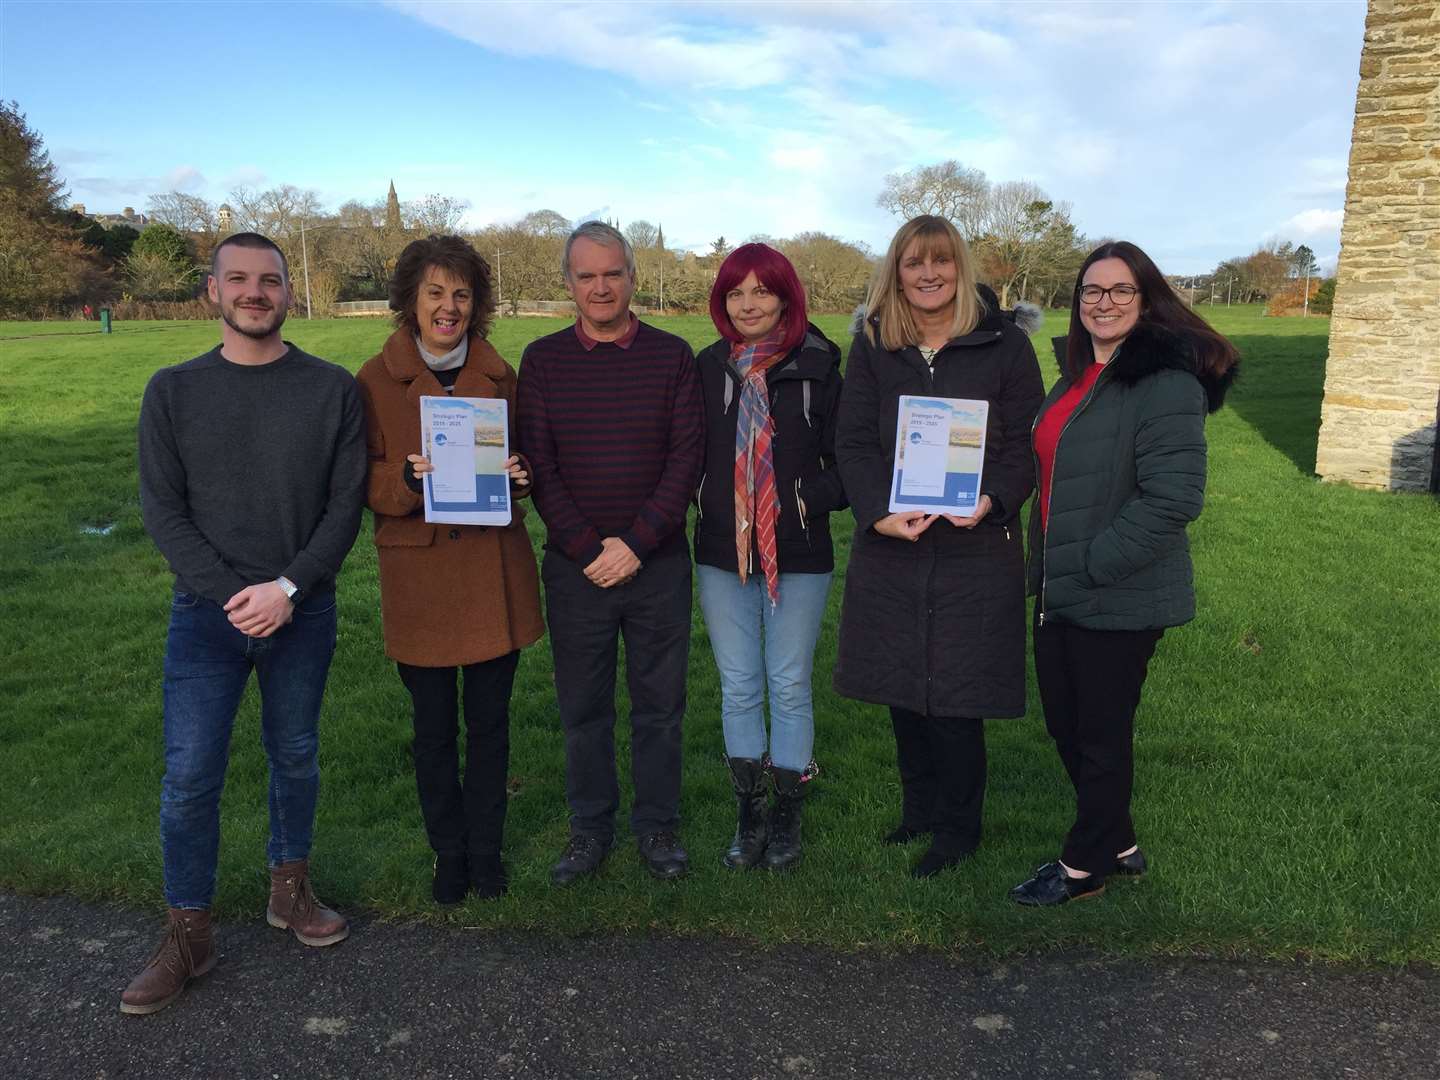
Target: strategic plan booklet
(939, 455)
(467, 441)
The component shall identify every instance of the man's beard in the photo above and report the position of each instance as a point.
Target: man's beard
(258, 333)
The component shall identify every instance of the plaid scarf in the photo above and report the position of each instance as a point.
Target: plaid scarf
(757, 503)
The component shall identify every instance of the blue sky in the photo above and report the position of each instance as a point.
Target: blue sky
(1197, 130)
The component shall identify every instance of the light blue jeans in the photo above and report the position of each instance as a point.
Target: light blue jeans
(755, 645)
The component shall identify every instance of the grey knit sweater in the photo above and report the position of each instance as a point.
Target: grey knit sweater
(250, 472)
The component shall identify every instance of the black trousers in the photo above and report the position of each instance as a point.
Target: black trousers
(586, 622)
(468, 817)
(942, 776)
(1090, 684)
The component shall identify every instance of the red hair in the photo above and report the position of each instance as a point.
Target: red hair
(772, 270)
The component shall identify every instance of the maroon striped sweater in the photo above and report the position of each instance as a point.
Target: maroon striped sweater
(615, 440)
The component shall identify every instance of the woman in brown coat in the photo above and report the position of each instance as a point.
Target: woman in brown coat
(451, 596)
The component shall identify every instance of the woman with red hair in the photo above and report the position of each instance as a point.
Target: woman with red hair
(763, 555)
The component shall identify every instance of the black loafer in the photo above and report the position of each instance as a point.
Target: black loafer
(1133, 865)
(903, 834)
(1051, 886)
(452, 879)
(581, 858)
(487, 876)
(663, 856)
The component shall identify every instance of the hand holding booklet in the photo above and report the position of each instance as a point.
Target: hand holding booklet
(467, 441)
(939, 455)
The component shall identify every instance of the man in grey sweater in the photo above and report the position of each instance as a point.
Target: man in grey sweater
(252, 472)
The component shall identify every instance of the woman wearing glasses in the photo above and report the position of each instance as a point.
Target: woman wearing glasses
(1120, 452)
(933, 622)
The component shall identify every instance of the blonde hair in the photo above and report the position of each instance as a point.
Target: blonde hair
(886, 299)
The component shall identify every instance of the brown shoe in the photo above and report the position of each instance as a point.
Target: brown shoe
(293, 906)
(188, 950)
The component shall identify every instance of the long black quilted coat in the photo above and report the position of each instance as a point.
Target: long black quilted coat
(938, 626)
(1129, 477)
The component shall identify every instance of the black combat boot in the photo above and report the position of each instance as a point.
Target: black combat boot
(783, 851)
(748, 777)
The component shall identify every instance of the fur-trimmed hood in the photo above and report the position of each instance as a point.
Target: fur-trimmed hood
(1150, 348)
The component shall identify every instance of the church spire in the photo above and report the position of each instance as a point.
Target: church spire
(392, 209)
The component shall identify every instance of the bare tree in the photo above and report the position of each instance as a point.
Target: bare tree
(526, 262)
(188, 213)
(276, 212)
(435, 214)
(1019, 218)
(834, 272)
(641, 234)
(947, 189)
(366, 247)
(545, 223)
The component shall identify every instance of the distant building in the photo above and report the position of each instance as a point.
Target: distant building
(392, 209)
(128, 216)
(226, 218)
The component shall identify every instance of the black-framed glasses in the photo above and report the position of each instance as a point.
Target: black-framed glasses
(1120, 295)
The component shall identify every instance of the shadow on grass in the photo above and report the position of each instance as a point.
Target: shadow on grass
(1282, 380)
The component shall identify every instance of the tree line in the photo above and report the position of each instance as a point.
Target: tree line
(53, 259)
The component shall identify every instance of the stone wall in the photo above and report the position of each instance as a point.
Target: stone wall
(1382, 381)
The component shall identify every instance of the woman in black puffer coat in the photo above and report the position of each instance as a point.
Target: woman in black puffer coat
(1120, 453)
(933, 623)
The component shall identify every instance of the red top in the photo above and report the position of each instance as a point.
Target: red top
(1047, 432)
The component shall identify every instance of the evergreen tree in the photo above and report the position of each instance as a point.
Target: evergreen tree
(45, 266)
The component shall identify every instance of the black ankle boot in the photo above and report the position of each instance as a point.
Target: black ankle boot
(784, 849)
(748, 777)
(451, 879)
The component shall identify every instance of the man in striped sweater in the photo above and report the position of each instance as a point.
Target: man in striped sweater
(610, 418)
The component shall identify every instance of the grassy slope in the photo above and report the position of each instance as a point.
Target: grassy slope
(1288, 767)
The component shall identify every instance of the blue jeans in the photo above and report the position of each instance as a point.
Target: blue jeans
(207, 664)
(755, 645)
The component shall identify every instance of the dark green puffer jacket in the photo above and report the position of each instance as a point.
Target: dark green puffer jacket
(1129, 477)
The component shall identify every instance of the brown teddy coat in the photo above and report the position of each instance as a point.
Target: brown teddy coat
(449, 594)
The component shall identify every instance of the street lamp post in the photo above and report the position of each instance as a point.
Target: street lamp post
(305, 258)
(499, 281)
(305, 261)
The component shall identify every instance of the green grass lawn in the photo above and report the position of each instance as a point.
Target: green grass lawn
(1288, 763)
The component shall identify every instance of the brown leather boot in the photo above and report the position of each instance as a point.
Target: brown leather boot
(293, 906)
(188, 950)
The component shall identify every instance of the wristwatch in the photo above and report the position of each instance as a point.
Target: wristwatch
(288, 587)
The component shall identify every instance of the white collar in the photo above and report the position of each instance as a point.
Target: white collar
(450, 361)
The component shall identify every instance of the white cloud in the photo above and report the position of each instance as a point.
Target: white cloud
(1163, 122)
(1313, 223)
(244, 176)
(799, 158)
(183, 178)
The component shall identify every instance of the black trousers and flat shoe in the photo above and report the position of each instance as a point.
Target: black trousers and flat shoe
(942, 785)
(1090, 683)
(464, 819)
